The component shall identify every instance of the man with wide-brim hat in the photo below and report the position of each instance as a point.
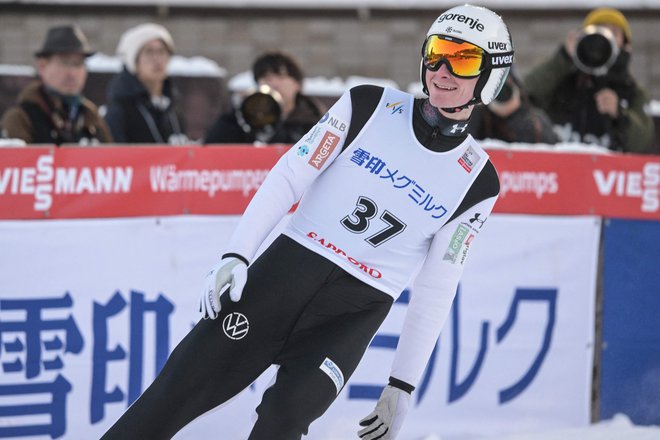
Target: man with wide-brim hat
(52, 110)
(65, 39)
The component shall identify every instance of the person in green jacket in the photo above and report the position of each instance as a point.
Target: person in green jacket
(587, 89)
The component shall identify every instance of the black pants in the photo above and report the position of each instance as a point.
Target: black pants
(298, 309)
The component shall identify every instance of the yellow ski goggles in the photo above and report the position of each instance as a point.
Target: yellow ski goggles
(463, 59)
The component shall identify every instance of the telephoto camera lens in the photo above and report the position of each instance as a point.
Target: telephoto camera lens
(596, 50)
(261, 110)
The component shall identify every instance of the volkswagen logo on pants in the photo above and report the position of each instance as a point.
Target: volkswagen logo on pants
(235, 325)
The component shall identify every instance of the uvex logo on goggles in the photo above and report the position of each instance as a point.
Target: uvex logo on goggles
(463, 59)
(471, 22)
(502, 60)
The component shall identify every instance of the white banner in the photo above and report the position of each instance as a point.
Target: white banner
(90, 308)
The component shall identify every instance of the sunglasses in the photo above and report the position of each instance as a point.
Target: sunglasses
(463, 59)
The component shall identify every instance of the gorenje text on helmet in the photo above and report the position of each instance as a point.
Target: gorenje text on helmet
(471, 22)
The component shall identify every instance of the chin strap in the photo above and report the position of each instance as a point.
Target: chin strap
(473, 101)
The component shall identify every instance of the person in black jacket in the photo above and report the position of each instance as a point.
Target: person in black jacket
(277, 112)
(511, 117)
(587, 88)
(141, 99)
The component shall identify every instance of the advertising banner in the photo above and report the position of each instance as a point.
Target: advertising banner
(48, 183)
(37, 183)
(624, 186)
(630, 372)
(91, 308)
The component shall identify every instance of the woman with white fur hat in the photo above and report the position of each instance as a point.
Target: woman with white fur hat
(141, 98)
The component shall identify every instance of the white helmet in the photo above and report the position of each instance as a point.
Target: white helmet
(485, 29)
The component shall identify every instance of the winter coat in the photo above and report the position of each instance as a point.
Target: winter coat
(305, 114)
(526, 124)
(133, 118)
(567, 95)
(40, 117)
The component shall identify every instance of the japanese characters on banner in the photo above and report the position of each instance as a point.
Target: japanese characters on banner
(90, 309)
(516, 352)
(37, 183)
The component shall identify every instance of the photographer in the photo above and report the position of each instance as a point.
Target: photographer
(587, 89)
(275, 112)
(511, 117)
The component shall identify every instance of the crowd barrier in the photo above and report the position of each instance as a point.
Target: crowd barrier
(104, 250)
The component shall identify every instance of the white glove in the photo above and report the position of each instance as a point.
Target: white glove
(385, 421)
(230, 274)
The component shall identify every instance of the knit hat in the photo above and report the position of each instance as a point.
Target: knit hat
(132, 41)
(609, 16)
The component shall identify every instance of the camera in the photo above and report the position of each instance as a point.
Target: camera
(260, 111)
(596, 50)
